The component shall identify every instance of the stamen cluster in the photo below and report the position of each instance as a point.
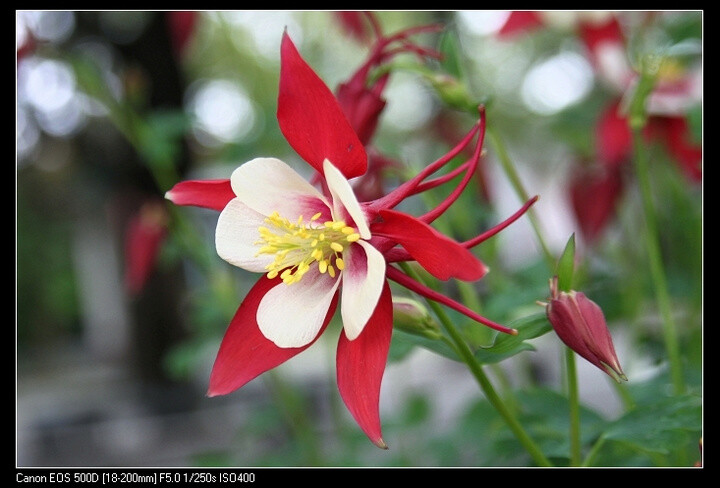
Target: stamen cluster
(298, 245)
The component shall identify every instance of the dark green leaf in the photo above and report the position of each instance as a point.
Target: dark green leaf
(406, 342)
(506, 345)
(659, 427)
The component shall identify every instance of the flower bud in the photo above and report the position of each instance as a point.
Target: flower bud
(580, 324)
(362, 106)
(411, 316)
(452, 91)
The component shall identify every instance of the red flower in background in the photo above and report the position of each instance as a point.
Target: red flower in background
(596, 188)
(356, 24)
(595, 191)
(144, 236)
(182, 25)
(520, 21)
(315, 247)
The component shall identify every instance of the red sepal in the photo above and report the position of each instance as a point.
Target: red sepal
(245, 352)
(361, 365)
(213, 194)
(311, 119)
(441, 256)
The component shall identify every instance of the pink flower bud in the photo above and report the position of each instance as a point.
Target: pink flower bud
(580, 324)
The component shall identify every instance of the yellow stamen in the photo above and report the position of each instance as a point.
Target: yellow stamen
(296, 246)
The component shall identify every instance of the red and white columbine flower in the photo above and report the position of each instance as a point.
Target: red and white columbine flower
(315, 246)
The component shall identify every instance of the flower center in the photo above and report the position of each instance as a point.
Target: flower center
(297, 246)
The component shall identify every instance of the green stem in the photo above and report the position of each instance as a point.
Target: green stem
(657, 271)
(506, 388)
(594, 451)
(574, 400)
(485, 385)
(520, 191)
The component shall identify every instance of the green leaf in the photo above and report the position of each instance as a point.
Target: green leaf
(659, 427)
(450, 48)
(566, 266)
(403, 343)
(506, 345)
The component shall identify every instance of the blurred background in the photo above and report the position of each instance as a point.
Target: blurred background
(117, 328)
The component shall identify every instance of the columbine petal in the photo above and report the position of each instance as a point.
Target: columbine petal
(679, 142)
(214, 194)
(613, 136)
(245, 352)
(362, 107)
(596, 34)
(344, 201)
(363, 280)
(520, 21)
(311, 119)
(360, 367)
(438, 254)
(293, 315)
(236, 235)
(594, 194)
(269, 185)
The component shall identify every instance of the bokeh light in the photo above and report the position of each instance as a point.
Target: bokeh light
(222, 112)
(556, 83)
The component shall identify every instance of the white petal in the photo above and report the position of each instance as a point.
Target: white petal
(236, 234)
(363, 281)
(292, 315)
(268, 185)
(343, 193)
